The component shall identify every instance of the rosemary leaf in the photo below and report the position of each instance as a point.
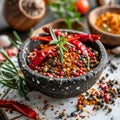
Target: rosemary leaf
(8, 85)
(65, 49)
(17, 36)
(11, 77)
(13, 43)
(53, 42)
(61, 55)
(69, 44)
(52, 33)
(5, 69)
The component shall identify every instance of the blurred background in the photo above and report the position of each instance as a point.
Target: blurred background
(47, 18)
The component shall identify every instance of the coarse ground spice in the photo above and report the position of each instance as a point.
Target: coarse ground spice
(100, 98)
(75, 63)
(109, 22)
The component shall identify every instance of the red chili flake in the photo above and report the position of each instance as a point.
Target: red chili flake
(39, 97)
(75, 115)
(79, 102)
(106, 97)
(45, 102)
(77, 74)
(73, 49)
(56, 76)
(52, 106)
(82, 116)
(101, 86)
(35, 50)
(58, 63)
(80, 71)
(61, 73)
(93, 109)
(102, 92)
(47, 74)
(74, 62)
(106, 87)
(77, 57)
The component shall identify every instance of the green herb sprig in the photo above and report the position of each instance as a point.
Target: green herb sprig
(65, 9)
(60, 42)
(11, 76)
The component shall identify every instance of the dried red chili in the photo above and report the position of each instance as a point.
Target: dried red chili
(41, 55)
(42, 38)
(57, 32)
(21, 108)
(82, 37)
(87, 37)
(80, 46)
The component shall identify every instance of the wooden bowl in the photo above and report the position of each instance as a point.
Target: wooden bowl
(16, 16)
(60, 24)
(108, 39)
(60, 87)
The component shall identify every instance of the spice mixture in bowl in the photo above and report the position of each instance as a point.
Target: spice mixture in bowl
(105, 21)
(62, 63)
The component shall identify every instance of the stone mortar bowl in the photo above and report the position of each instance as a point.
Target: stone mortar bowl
(60, 87)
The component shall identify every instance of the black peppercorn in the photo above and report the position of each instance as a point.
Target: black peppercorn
(72, 114)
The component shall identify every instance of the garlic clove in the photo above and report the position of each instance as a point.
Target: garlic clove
(116, 50)
(4, 41)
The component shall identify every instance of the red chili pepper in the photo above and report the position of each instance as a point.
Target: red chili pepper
(21, 108)
(41, 55)
(82, 37)
(80, 46)
(42, 38)
(87, 37)
(57, 32)
(72, 38)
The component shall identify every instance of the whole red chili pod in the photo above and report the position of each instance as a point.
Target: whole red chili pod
(56, 32)
(21, 108)
(41, 55)
(42, 38)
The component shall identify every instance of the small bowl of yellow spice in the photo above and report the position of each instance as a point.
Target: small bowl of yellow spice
(105, 21)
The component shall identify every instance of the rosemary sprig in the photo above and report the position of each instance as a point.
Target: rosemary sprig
(18, 42)
(60, 43)
(11, 76)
